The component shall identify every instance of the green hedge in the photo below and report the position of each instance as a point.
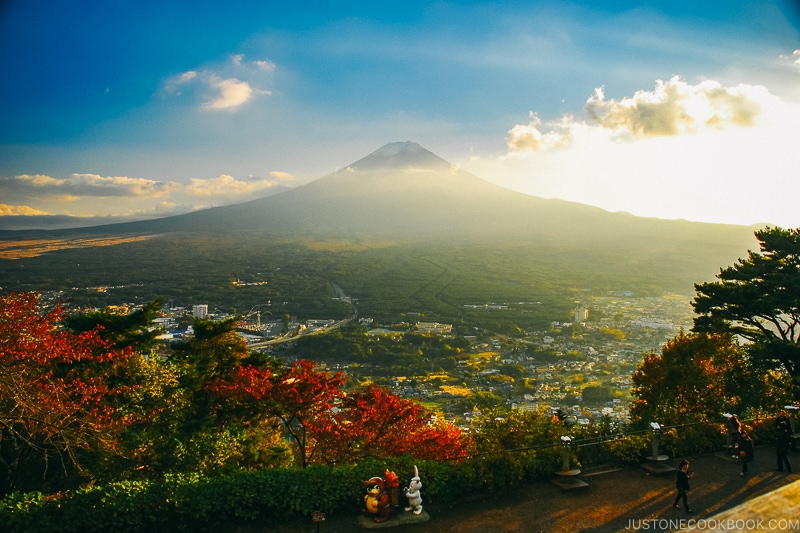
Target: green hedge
(267, 497)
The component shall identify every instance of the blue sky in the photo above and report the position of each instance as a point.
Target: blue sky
(667, 109)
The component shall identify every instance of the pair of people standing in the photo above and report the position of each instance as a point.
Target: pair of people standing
(783, 442)
(740, 444)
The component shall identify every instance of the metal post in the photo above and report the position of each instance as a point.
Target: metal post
(657, 463)
(656, 431)
(565, 445)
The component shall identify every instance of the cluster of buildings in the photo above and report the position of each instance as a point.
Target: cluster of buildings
(553, 368)
(614, 334)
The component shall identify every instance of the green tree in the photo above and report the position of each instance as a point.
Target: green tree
(698, 377)
(123, 330)
(485, 400)
(758, 299)
(215, 351)
(517, 444)
(189, 429)
(596, 394)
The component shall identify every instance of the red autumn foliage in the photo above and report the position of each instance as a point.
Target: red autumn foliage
(55, 395)
(373, 422)
(327, 425)
(297, 396)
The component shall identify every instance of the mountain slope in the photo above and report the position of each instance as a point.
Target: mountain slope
(401, 213)
(404, 192)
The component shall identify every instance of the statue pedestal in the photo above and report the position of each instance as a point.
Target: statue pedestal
(569, 483)
(400, 518)
(568, 480)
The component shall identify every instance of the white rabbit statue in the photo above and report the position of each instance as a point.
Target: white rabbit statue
(412, 493)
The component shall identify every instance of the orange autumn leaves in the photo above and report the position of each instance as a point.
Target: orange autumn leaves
(56, 395)
(329, 425)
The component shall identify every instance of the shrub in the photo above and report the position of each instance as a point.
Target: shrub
(692, 439)
(630, 448)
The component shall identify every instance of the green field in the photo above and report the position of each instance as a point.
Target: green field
(390, 281)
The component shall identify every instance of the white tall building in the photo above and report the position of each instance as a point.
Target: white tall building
(581, 315)
(200, 311)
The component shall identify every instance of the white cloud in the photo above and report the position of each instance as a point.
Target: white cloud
(94, 185)
(791, 60)
(174, 83)
(232, 93)
(524, 138)
(281, 176)
(84, 185)
(19, 210)
(702, 152)
(675, 107)
(227, 187)
(39, 180)
(223, 91)
(79, 194)
(187, 76)
(265, 65)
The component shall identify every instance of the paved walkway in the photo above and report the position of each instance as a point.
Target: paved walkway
(778, 510)
(624, 500)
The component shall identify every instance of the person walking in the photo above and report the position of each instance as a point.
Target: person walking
(782, 445)
(746, 451)
(682, 484)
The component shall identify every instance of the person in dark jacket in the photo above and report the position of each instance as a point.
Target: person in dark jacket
(682, 483)
(746, 451)
(783, 441)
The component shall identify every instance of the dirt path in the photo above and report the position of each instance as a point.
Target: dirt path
(615, 501)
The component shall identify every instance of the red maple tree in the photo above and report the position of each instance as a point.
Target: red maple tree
(296, 396)
(330, 426)
(373, 422)
(56, 400)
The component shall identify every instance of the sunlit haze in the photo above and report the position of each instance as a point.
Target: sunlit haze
(661, 109)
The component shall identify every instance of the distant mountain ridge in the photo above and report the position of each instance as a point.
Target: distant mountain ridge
(404, 193)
